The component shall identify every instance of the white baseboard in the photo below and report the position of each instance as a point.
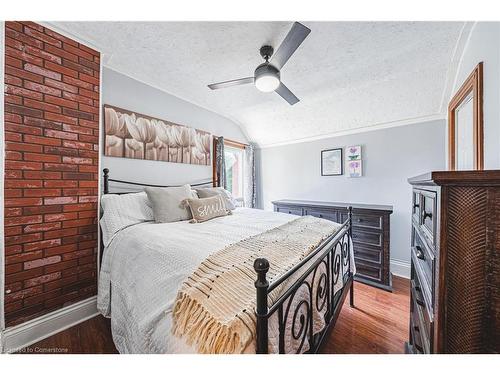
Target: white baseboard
(25, 334)
(400, 268)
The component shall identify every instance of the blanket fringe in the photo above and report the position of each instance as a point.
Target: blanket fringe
(200, 329)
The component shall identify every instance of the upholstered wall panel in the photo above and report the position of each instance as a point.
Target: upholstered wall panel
(51, 170)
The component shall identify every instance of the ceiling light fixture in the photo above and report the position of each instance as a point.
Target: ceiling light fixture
(267, 78)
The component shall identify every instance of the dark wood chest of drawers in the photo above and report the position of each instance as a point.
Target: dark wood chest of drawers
(371, 234)
(455, 265)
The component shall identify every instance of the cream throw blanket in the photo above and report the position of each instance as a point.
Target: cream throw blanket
(215, 307)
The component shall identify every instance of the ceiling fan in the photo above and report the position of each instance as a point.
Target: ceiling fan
(267, 75)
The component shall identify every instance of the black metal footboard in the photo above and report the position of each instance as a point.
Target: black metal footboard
(314, 293)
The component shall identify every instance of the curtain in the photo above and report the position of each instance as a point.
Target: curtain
(249, 189)
(220, 165)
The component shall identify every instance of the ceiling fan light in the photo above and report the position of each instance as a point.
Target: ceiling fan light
(267, 77)
(267, 83)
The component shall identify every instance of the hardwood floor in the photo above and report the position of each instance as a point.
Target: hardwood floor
(377, 324)
(90, 337)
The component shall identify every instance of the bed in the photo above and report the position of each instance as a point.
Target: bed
(143, 266)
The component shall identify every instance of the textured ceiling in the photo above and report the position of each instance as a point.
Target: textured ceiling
(348, 75)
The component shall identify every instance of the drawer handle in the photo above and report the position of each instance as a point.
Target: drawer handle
(417, 295)
(426, 215)
(360, 220)
(419, 253)
(416, 205)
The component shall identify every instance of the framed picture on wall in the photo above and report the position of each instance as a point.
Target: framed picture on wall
(353, 153)
(133, 135)
(331, 162)
(354, 168)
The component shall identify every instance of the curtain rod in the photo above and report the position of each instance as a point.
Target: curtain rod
(230, 142)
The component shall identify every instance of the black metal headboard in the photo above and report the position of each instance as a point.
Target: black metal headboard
(107, 180)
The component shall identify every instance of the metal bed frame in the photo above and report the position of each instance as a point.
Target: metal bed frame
(322, 269)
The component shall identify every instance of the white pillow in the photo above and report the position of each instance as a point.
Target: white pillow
(121, 211)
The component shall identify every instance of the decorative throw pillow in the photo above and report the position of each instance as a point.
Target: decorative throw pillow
(204, 209)
(214, 191)
(168, 203)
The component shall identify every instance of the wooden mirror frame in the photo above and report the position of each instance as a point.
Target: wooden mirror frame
(474, 84)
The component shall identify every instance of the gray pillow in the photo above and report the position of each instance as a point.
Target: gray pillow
(214, 191)
(168, 203)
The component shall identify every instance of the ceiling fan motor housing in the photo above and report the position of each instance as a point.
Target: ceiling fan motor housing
(266, 52)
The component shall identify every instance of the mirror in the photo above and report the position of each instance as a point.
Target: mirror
(465, 124)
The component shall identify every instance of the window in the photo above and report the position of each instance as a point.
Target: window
(233, 157)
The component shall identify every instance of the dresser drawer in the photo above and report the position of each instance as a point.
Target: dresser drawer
(421, 293)
(369, 253)
(415, 338)
(423, 261)
(415, 210)
(323, 214)
(420, 333)
(289, 210)
(364, 220)
(421, 310)
(428, 212)
(368, 270)
(367, 221)
(362, 237)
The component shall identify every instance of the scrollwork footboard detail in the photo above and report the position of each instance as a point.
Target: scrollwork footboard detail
(311, 295)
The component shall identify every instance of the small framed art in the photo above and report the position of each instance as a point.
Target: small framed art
(353, 153)
(354, 168)
(331, 162)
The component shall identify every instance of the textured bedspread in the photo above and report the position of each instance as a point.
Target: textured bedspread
(145, 265)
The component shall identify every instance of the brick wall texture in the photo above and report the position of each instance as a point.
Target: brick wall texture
(51, 171)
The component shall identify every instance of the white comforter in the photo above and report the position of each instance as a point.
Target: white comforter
(145, 264)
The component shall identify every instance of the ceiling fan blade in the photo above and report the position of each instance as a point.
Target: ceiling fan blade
(292, 41)
(234, 82)
(286, 94)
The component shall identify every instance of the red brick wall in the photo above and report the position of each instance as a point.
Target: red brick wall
(51, 142)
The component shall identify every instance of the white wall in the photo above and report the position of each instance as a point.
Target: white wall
(390, 157)
(484, 45)
(124, 92)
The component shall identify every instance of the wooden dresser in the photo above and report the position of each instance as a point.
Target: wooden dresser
(455, 265)
(371, 234)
